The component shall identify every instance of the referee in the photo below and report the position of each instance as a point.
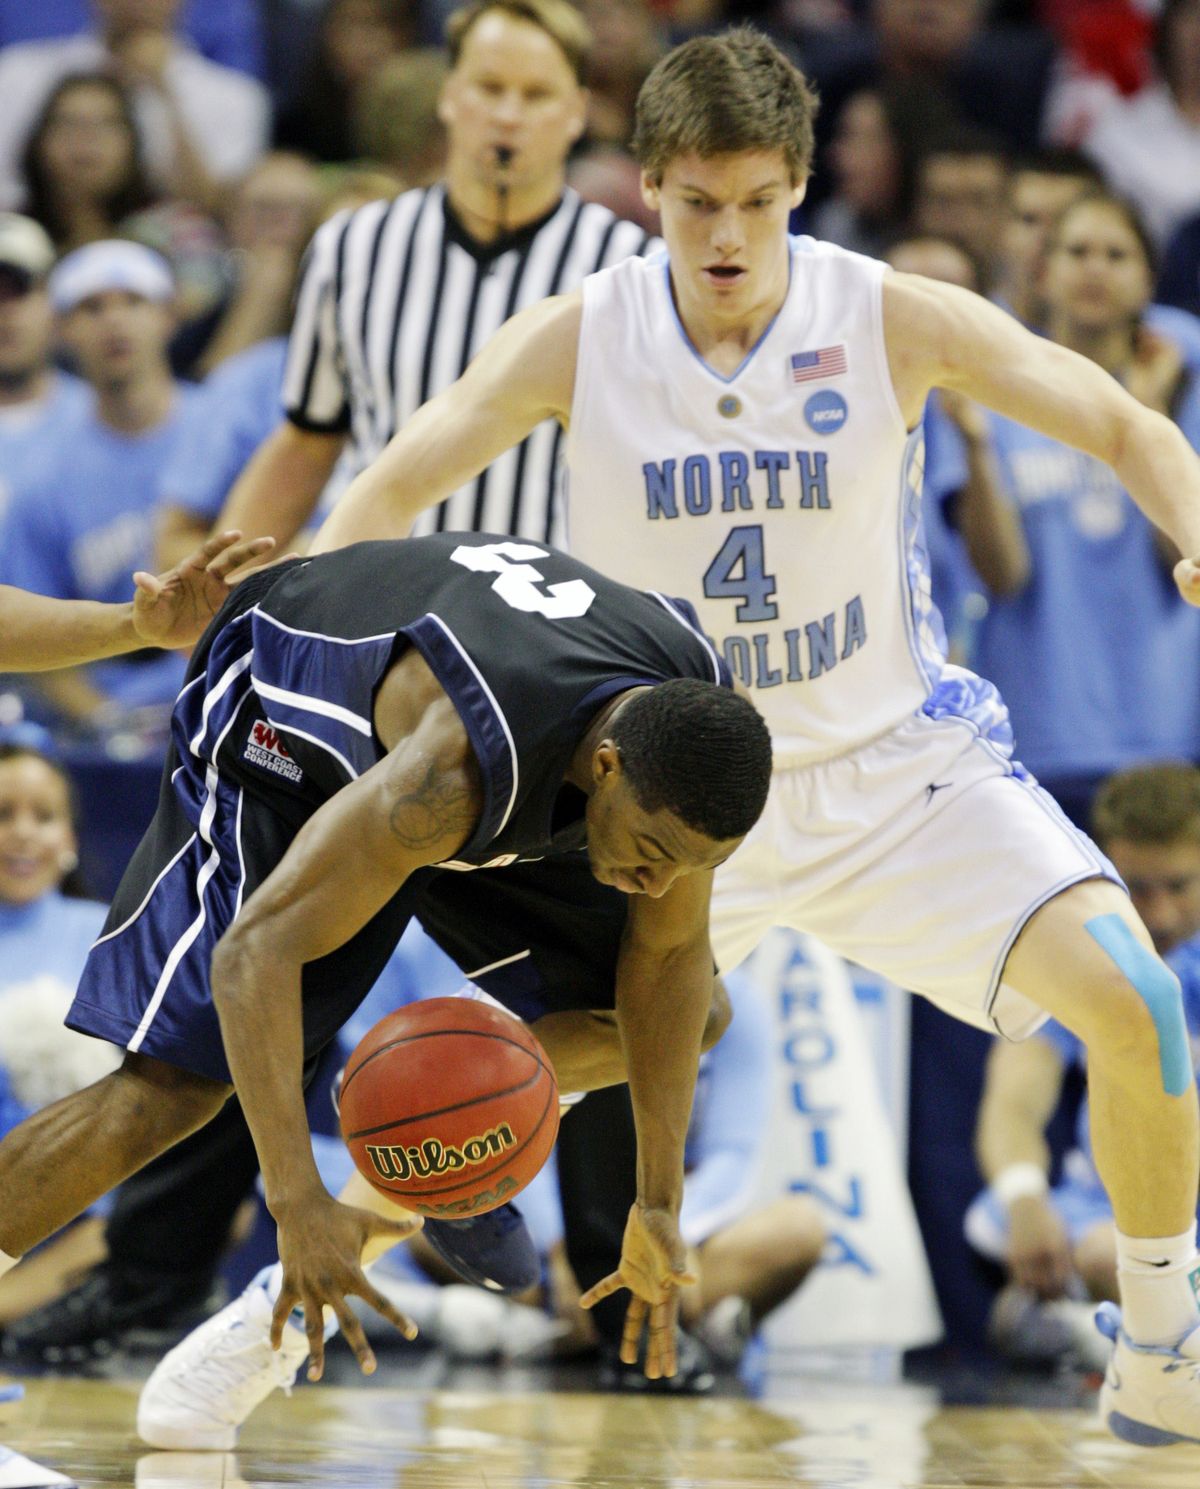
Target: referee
(396, 297)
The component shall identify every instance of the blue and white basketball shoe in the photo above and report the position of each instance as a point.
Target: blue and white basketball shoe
(1150, 1395)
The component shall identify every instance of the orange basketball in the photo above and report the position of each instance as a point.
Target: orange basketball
(449, 1106)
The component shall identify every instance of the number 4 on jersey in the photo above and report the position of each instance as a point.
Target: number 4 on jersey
(754, 586)
(517, 584)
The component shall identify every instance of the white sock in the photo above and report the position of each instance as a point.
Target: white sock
(1158, 1295)
(7, 1263)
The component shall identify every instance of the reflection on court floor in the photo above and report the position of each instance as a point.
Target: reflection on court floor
(806, 1433)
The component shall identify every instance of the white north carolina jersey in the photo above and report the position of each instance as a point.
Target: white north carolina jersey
(782, 501)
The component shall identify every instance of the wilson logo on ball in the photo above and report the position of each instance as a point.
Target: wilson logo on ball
(425, 1159)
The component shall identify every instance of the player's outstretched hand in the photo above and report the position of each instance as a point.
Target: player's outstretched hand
(320, 1246)
(1039, 1251)
(172, 609)
(653, 1268)
(1187, 577)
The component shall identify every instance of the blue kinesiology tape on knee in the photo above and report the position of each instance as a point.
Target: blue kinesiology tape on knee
(1158, 989)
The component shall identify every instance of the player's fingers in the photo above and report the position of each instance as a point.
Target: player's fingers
(401, 1227)
(150, 583)
(387, 1309)
(284, 1303)
(631, 1334)
(602, 1289)
(352, 1331)
(314, 1327)
(660, 1345)
(1187, 577)
(225, 562)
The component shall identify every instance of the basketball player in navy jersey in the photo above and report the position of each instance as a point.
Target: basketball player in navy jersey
(743, 417)
(355, 727)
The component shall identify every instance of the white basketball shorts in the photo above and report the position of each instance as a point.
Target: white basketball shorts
(920, 855)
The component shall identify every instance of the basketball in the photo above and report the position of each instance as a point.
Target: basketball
(449, 1106)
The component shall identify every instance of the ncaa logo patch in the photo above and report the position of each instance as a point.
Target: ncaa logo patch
(825, 412)
(265, 749)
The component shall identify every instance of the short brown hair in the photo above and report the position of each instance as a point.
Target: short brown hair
(1149, 804)
(716, 95)
(559, 19)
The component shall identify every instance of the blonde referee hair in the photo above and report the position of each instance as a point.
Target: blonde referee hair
(557, 18)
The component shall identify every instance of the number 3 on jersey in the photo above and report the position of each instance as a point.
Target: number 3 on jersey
(754, 587)
(517, 584)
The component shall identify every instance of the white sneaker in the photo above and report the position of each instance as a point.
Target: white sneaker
(1150, 1396)
(18, 1472)
(206, 1387)
(725, 1330)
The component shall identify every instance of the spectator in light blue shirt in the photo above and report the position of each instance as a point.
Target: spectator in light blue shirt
(45, 933)
(1085, 630)
(238, 407)
(78, 530)
(35, 398)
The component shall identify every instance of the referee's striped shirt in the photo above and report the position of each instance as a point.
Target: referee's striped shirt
(394, 302)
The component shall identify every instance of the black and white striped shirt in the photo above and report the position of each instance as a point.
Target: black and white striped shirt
(395, 301)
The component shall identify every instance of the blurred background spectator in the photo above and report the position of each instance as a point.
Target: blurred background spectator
(874, 156)
(993, 77)
(82, 168)
(628, 39)
(226, 31)
(202, 124)
(1084, 628)
(36, 398)
(1041, 186)
(396, 119)
(46, 927)
(268, 218)
(962, 183)
(355, 38)
(83, 522)
(1148, 145)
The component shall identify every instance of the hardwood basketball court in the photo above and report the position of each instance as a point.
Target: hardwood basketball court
(805, 1432)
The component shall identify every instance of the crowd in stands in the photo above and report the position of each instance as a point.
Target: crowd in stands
(164, 165)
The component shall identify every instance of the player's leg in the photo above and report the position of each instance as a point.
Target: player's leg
(1086, 958)
(64, 1157)
(164, 1237)
(1095, 1257)
(585, 1046)
(762, 1257)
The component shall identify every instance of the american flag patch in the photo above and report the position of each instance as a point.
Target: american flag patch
(828, 361)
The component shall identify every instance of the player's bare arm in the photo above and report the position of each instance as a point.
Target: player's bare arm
(938, 335)
(417, 806)
(38, 633)
(664, 993)
(1022, 1086)
(525, 374)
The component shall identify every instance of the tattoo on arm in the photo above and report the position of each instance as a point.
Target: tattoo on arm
(443, 804)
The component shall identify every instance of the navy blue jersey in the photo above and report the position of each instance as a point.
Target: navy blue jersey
(528, 643)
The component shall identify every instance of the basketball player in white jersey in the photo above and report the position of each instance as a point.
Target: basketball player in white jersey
(742, 418)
